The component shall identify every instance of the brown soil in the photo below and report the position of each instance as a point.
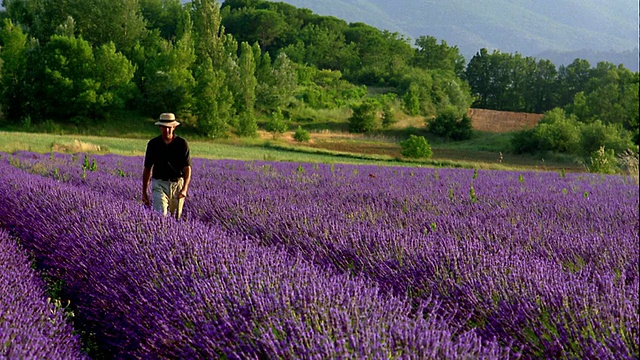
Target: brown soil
(502, 121)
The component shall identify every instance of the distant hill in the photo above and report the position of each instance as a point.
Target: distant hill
(558, 30)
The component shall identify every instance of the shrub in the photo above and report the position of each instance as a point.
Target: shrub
(555, 132)
(449, 125)
(388, 117)
(628, 162)
(276, 123)
(301, 135)
(559, 132)
(525, 142)
(411, 100)
(416, 147)
(603, 161)
(364, 117)
(611, 136)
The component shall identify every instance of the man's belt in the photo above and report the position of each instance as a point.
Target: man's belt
(169, 179)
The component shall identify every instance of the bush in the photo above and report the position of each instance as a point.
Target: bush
(276, 124)
(562, 133)
(555, 132)
(596, 134)
(449, 125)
(628, 163)
(364, 117)
(603, 161)
(524, 142)
(388, 117)
(416, 147)
(301, 135)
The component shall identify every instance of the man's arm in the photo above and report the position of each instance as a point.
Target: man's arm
(146, 178)
(187, 180)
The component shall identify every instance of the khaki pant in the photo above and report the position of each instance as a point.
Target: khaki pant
(165, 197)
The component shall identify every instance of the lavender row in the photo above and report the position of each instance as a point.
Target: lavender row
(526, 257)
(153, 287)
(548, 263)
(31, 327)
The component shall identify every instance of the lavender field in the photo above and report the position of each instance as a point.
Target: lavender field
(296, 260)
(31, 327)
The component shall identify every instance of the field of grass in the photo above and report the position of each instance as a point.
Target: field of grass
(127, 134)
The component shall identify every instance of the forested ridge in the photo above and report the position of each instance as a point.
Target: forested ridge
(225, 68)
(558, 30)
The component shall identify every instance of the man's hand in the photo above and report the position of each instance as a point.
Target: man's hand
(145, 199)
(182, 194)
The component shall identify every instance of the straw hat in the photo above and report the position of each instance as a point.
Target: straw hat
(167, 119)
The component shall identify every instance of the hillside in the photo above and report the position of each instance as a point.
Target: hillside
(559, 30)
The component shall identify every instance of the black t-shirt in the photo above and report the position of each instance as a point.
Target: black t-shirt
(168, 161)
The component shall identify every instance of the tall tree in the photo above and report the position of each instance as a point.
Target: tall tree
(208, 32)
(38, 18)
(117, 21)
(434, 56)
(70, 87)
(212, 90)
(542, 93)
(162, 15)
(13, 70)
(248, 125)
(113, 74)
(573, 79)
(212, 107)
(278, 85)
(477, 75)
(168, 82)
(80, 86)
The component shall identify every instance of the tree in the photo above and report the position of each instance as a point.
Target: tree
(416, 147)
(168, 83)
(378, 57)
(13, 70)
(477, 75)
(388, 112)
(162, 15)
(449, 124)
(276, 124)
(208, 33)
(301, 135)
(113, 73)
(248, 124)
(211, 106)
(597, 134)
(103, 21)
(325, 46)
(69, 83)
(431, 55)
(364, 117)
(80, 84)
(277, 83)
(36, 17)
(541, 95)
(411, 100)
(214, 100)
(573, 79)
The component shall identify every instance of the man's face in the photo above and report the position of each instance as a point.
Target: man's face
(167, 131)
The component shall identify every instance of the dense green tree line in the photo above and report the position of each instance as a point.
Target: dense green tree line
(79, 60)
(511, 82)
(221, 67)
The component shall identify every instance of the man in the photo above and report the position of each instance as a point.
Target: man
(167, 165)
